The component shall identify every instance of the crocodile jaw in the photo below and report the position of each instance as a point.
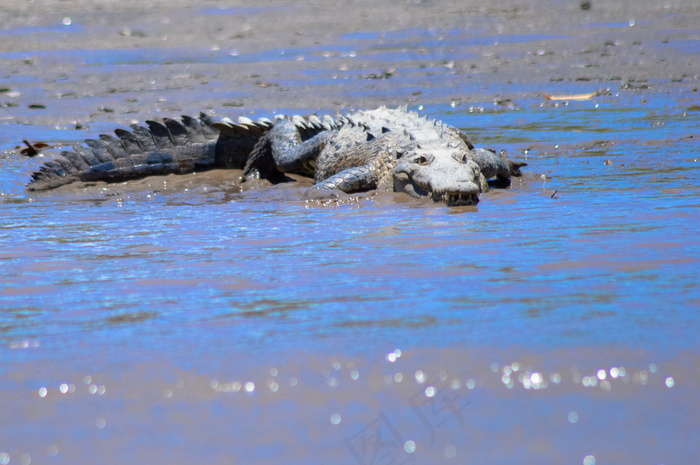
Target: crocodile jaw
(456, 199)
(462, 193)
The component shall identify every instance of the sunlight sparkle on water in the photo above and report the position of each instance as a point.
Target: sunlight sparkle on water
(573, 416)
(393, 356)
(420, 377)
(642, 377)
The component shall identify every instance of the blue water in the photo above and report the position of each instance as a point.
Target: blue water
(594, 265)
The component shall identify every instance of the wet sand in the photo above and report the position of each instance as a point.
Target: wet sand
(303, 55)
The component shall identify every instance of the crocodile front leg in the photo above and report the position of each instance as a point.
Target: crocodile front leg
(349, 166)
(355, 179)
(497, 166)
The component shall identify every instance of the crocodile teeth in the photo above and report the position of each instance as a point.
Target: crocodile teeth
(456, 199)
(462, 199)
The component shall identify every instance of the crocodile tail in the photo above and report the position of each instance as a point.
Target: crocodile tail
(162, 148)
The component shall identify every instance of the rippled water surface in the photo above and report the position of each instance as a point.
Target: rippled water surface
(190, 320)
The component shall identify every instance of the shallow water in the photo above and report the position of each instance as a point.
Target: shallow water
(193, 319)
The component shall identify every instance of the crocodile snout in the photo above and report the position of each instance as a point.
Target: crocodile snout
(456, 194)
(455, 199)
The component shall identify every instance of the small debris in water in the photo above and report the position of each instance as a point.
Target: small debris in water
(555, 195)
(126, 32)
(571, 97)
(33, 149)
(383, 75)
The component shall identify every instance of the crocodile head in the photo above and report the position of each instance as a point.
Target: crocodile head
(444, 176)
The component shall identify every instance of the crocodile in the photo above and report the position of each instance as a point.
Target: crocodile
(383, 149)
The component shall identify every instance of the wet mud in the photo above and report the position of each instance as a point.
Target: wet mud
(197, 318)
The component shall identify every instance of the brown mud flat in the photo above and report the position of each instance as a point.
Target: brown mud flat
(325, 56)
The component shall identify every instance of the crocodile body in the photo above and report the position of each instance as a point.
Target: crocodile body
(385, 149)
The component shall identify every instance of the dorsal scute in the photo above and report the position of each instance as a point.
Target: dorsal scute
(299, 121)
(328, 122)
(315, 121)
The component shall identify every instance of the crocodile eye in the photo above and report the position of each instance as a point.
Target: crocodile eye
(422, 161)
(465, 158)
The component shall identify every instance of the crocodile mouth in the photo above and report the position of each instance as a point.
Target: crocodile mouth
(451, 197)
(456, 199)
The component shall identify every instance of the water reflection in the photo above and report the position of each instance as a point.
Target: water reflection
(460, 397)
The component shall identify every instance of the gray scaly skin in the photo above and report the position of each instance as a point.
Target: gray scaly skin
(384, 149)
(192, 144)
(391, 150)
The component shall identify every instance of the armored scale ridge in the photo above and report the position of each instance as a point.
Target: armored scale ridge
(384, 149)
